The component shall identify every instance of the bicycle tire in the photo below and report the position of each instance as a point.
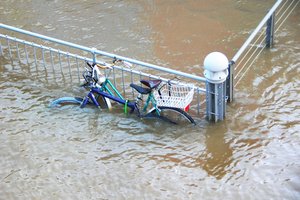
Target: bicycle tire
(66, 101)
(104, 102)
(174, 115)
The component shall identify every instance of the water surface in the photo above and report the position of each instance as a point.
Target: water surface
(73, 153)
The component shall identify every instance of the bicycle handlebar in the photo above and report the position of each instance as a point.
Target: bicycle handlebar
(104, 66)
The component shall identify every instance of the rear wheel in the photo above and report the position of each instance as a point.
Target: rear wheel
(174, 115)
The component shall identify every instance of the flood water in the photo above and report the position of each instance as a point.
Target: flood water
(74, 153)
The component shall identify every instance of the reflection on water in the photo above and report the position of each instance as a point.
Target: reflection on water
(73, 153)
(218, 152)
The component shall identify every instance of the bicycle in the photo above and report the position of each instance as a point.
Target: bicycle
(168, 101)
(93, 78)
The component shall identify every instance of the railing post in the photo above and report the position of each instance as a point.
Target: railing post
(216, 72)
(94, 54)
(229, 82)
(270, 31)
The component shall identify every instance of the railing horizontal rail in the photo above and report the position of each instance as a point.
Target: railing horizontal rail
(85, 58)
(102, 53)
(44, 47)
(256, 30)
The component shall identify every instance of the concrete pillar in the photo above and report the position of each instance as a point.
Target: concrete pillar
(215, 72)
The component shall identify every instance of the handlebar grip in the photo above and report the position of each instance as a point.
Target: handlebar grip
(103, 66)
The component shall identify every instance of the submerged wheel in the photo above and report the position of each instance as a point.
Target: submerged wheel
(66, 101)
(174, 115)
(103, 102)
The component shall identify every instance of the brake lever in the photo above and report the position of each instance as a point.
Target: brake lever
(127, 64)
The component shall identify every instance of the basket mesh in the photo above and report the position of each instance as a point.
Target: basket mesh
(178, 96)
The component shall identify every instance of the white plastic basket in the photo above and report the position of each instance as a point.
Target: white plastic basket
(178, 96)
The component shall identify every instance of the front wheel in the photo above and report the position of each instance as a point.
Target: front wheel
(66, 101)
(174, 115)
(104, 102)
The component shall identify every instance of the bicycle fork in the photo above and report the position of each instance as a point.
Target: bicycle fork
(86, 100)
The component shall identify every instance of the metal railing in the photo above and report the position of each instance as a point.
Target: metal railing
(65, 64)
(262, 37)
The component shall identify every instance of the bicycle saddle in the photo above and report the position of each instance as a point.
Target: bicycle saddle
(140, 89)
(151, 83)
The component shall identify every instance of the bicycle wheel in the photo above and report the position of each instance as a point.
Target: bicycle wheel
(104, 102)
(175, 115)
(66, 101)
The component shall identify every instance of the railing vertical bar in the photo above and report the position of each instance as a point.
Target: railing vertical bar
(18, 53)
(229, 81)
(123, 81)
(94, 55)
(78, 74)
(198, 101)
(140, 75)
(34, 55)
(9, 50)
(217, 117)
(52, 63)
(207, 101)
(131, 78)
(114, 75)
(26, 53)
(43, 57)
(68, 57)
(59, 60)
(270, 31)
(1, 50)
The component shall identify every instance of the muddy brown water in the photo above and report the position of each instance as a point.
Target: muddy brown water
(75, 153)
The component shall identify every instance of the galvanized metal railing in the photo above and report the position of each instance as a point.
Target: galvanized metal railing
(215, 96)
(64, 63)
(262, 37)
